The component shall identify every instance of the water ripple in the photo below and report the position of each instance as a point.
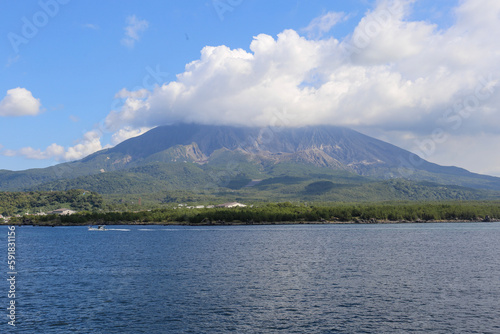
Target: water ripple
(414, 278)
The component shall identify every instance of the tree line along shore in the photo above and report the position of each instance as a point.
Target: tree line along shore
(281, 213)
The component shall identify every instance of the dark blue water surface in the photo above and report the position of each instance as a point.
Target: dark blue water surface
(403, 278)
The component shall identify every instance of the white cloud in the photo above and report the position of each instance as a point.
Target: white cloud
(90, 143)
(390, 74)
(135, 27)
(127, 133)
(323, 24)
(19, 102)
(404, 75)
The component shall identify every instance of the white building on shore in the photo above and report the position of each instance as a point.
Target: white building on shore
(231, 205)
(62, 212)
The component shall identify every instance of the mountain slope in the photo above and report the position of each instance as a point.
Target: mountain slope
(215, 153)
(326, 146)
(190, 182)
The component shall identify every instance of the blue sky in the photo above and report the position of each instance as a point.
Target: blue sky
(78, 76)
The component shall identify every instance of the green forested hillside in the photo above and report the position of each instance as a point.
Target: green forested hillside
(190, 182)
(12, 203)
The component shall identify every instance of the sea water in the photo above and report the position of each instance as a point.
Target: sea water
(398, 278)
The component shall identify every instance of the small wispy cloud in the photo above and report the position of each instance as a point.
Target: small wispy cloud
(91, 26)
(323, 24)
(135, 27)
(12, 60)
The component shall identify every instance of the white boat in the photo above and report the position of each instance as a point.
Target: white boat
(98, 228)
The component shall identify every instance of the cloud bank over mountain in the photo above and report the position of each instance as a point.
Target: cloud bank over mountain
(408, 82)
(389, 73)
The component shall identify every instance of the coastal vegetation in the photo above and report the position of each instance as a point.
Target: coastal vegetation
(34, 207)
(286, 212)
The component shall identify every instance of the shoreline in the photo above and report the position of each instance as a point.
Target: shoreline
(240, 223)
